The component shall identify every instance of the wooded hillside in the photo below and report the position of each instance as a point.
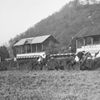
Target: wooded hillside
(66, 23)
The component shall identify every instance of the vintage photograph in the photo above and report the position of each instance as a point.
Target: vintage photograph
(49, 49)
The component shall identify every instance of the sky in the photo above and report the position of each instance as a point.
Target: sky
(16, 16)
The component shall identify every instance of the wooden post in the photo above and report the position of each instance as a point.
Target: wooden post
(21, 49)
(31, 48)
(36, 47)
(25, 48)
(91, 40)
(76, 43)
(42, 47)
(84, 41)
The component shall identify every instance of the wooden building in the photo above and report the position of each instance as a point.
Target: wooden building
(34, 46)
(88, 40)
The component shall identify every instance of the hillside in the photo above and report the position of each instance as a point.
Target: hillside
(66, 23)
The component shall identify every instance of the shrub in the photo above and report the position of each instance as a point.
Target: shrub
(29, 64)
(69, 63)
(61, 64)
(8, 65)
(52, 64)
(3, 65)
(90, 64)
(35, 65)
(96, 63)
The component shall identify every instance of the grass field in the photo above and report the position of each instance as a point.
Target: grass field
(50, 85)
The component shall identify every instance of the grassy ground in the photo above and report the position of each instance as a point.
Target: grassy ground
(50, 85)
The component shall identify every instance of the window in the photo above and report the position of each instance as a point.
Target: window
(28, 48)
(39, 47)
(88, 41)
(80, 43)
(96, 40)
(34, 48)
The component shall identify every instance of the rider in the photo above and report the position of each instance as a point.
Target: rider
(80, 55)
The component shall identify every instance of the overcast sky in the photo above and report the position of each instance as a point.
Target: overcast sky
(16, 16)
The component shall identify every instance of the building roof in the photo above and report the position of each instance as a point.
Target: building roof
(40, 39)
(32, 40)
(88, 31)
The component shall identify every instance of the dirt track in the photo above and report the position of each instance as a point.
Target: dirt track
(51, 85)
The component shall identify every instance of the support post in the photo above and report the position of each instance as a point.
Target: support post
(91, 40)
(42, 47)
(21, 50)
(84, 41)
(31, 48)
(36, 47)
(26, 49)
(76, 44)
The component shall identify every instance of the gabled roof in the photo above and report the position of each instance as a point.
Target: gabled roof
(88, 31)
(39, 39)
(33, 40)
(21, 42)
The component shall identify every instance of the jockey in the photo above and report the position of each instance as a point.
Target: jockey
(40, 59)
(79, 55)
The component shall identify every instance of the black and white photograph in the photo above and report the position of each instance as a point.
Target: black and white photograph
(49, 49)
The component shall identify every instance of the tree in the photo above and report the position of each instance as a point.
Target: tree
(66, 23)
(4, 53)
